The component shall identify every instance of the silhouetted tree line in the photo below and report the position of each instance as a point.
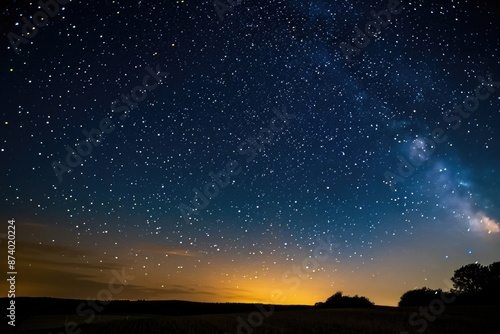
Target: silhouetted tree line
(30, 306)
(473, 284)
(339, 300)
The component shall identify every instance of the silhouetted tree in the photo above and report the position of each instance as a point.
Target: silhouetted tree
(493, 280)
(419, 297)
(339, 300)
(477, 285)
(473, 284)
(471, 278)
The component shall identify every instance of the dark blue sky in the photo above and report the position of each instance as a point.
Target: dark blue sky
(326, 173)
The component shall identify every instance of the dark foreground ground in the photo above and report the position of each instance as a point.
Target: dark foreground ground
(459, 319)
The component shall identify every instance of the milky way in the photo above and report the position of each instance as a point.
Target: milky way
(218, 152)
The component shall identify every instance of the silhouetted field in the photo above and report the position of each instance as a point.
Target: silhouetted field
(455, 319)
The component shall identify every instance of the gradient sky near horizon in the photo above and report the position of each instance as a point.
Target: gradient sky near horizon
(319, 181)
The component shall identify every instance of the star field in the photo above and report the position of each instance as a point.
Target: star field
(219, 90)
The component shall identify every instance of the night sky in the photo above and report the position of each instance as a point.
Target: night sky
(249, 152)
